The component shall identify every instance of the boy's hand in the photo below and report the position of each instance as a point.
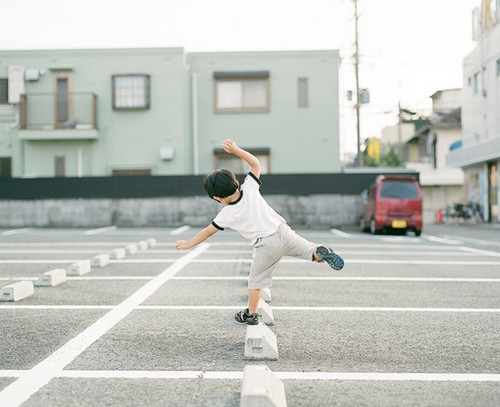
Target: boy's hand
(229, 146)
(182, 245)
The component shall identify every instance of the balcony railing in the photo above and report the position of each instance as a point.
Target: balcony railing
(53, 111)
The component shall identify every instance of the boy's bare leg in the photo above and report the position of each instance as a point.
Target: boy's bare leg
(253, 300)
(316, 257)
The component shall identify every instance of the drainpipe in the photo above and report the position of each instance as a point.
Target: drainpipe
(195, 123)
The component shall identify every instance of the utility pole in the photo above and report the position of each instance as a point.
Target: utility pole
(400, 129)
(356, 70)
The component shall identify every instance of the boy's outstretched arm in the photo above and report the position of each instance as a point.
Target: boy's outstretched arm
(230, 147)
(202, 235)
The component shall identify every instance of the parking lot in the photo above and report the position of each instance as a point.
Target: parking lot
(409, 321)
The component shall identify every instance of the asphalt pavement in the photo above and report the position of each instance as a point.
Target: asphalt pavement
(409, 321)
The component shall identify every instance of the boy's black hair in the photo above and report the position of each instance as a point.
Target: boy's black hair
(220, 183)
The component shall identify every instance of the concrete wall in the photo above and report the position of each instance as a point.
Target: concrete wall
(317, 211)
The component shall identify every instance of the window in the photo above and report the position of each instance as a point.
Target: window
(399, 190)
(476, 83)
(498, 67)
(237, 165)
(5, 167)
(132, 172)
(60, 166)
(63, 103)
(303, 92)
(131, 92)
(4, 91)
(241, 92)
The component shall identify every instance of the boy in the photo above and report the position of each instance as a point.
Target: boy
(246, 211)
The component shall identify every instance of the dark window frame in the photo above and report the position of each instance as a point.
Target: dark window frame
(147, 90)
(4, 91)
(242, 76)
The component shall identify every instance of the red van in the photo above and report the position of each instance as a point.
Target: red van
(393, 202)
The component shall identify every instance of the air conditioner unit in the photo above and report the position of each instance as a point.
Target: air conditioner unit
(32, 75)
(166, 153)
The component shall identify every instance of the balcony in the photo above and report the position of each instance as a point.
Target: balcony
(58, 116)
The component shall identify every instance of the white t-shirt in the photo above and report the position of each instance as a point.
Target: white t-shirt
(250, 215)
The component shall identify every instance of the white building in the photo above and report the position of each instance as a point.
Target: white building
(479, 154)
(427, 149)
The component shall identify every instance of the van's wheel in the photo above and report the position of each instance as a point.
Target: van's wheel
(362, 225)
(418, 233)
(373, 231)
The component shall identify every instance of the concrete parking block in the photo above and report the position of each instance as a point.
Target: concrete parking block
(101, 260)
(266, 295)
(261, 388)
(152, 242)
(131, 249)
(117, 254)
(265, 312)
(51, 278)
(142, 245)
(17, 291)
(79, 269)
(260, 343)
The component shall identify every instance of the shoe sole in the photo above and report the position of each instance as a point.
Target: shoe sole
(334, 260)
(237, 319)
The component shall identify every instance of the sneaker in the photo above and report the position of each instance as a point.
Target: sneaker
(244, 318)
(334, 260)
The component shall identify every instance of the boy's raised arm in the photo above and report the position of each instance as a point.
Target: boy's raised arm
(202, 235)
(230, 147)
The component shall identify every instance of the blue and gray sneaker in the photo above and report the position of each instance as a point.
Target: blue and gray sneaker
(334, 260)
(243, 317)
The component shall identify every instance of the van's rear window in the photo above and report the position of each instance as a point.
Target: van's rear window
(399, 190)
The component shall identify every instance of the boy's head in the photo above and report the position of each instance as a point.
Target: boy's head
(220, 183)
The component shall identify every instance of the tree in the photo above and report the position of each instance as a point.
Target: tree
(391, 159)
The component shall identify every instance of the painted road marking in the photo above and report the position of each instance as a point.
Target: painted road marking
(180, 230)
(237, 307)
(441, 240)
(286, 260)
(15, 231)
(238, 375)
(101, 230)
(23, 388)
(480, 252)
(280, 278)
(339, 233)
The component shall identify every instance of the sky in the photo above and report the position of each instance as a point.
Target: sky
(409, 48)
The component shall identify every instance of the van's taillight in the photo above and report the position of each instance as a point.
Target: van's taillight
(379, 218)
(418, 219)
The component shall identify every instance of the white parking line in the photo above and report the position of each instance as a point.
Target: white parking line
(328, 309)
(236, 307)
(238, 375)
(441, 240)
(23, 388)
(339, 233)
(286, 260)
(15, 231)
(277, 278)
(180, 230)
(311, 278)
(480, 252)
(101, 230)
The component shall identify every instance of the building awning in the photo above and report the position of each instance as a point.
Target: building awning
(475, 154)
(241, 74)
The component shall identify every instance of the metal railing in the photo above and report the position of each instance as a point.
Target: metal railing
(51, 111)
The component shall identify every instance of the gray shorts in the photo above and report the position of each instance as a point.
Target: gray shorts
(269, 250)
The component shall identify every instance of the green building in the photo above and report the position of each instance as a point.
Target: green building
(162, 111)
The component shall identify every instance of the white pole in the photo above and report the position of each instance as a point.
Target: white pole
(195, 124)
(79, 162)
